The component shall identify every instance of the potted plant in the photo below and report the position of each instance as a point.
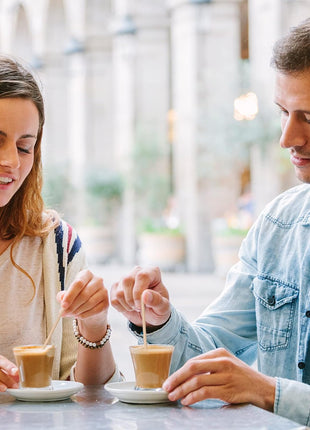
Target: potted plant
(103, 195)
(161, 245)
(58, 192)
(160, 239)
(227, 240)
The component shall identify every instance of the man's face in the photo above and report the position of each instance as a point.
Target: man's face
(292, 96)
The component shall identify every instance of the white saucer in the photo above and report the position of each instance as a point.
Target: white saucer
(61, 390)
(125, 392)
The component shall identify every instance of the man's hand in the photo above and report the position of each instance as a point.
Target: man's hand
(220, 375)
(127, 293)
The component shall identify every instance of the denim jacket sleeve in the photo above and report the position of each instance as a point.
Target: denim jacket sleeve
(293, 400)
(229, 323)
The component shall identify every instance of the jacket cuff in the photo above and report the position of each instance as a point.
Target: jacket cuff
(292, 400)
(167, 334)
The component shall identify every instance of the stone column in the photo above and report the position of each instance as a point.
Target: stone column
(75, 11)
(8, 16)
(37, 17)
(204, 54)
(124, 126)
(76, 126)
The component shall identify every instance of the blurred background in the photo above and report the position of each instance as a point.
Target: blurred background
(161, 138)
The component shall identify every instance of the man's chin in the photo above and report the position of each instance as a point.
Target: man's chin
(302, 176)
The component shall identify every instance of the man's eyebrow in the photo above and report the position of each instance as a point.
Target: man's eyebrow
(297, 110)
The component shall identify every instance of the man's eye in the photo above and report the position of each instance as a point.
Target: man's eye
(283, 111)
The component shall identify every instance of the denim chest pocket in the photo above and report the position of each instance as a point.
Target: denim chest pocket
(274, 304)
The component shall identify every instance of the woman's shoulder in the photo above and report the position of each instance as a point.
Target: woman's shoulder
(65, 237)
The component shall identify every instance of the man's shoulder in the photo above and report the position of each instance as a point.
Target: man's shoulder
(292, 194)
(290, 205)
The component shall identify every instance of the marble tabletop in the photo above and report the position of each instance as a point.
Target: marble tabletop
(94, 408)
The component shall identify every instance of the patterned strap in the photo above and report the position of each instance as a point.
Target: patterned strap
(60, 242)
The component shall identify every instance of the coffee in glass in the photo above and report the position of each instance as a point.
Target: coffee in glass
(35, 365)
(151, 365)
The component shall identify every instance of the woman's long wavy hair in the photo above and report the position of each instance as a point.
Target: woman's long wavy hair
(25, 214)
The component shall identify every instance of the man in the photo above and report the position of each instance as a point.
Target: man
(263, 313)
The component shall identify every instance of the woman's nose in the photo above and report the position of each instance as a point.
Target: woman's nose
(9, 156)
(293, 133)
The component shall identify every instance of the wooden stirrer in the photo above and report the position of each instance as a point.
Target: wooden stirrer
(52, 329)
(143, 322)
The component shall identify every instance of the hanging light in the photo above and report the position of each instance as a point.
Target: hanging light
(245, 107)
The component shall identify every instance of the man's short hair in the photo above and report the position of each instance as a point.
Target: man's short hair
(291, 53)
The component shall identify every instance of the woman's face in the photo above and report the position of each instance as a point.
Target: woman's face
(19, 126)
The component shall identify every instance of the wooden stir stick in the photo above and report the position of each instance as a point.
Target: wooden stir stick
(143, 322)
(52, 329)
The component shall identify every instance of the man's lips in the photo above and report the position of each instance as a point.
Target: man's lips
(299, 160)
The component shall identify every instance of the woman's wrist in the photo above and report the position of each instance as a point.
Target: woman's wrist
(93, 332)
(90, 343)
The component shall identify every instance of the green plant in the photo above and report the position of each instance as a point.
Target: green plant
(104, 190)
(159, 227)
(151, 182)
(232, 231)
(58, 192)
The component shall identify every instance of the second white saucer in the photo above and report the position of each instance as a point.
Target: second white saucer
(126, 392)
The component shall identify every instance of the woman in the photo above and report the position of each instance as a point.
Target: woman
(41, 257)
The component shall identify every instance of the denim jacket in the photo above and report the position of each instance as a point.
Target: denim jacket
(263, 312)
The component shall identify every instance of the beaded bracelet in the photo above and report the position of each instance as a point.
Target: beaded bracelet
(87, 343)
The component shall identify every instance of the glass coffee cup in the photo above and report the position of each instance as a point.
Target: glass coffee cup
(35, 365)
(151, 365)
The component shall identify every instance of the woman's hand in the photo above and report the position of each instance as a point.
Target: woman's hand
(87, 300)
(126, 297)
(220, 375)
(9, 376)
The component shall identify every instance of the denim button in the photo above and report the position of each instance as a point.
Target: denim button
(301, 365)
(271, 301)
(308, 314)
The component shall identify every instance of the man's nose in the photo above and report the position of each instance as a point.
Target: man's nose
(293, 133)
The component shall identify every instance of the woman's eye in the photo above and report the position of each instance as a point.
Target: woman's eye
(24, 150)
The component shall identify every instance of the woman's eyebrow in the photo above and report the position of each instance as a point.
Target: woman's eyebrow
(24, 136)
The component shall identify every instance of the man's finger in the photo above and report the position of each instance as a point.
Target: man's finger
(145, 279)
(156, 302)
